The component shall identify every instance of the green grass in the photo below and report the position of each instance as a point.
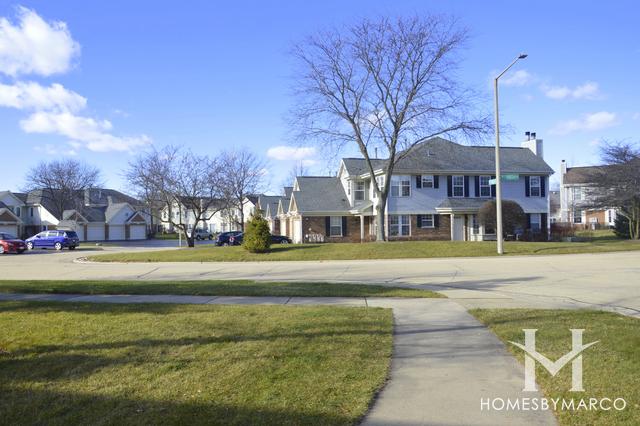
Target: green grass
(346, 251)
(169, 236)
(598, 235)
(64, 364)
(210, 288)
(610, 368)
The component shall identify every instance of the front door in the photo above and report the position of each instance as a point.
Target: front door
(458, 228)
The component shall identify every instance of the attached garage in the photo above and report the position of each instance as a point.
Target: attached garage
(79, 229)
(9, 229)
(138, 232)
(116, 232)
(95, 232)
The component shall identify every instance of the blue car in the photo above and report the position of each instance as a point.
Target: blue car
(57, 239)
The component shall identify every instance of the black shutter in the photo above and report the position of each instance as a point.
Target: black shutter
(466, 186)
(327, 225)
(436, 181)
(527, 187)
(344, 226)
(436, 220)
(543, 186)
(493, 188)
(477, 178)
(419, 221)
(543, 220)
(528, 221)
(449, 186)
(418, 181)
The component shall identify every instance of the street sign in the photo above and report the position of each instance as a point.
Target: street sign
(505, 178)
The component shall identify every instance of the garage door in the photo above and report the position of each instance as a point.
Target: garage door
(137, 232)
(297, 231)
(116, 232)
(9, 229)
(95, 233)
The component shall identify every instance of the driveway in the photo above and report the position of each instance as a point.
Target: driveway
(608, 281)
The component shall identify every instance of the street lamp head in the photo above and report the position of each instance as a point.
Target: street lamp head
(522, 56)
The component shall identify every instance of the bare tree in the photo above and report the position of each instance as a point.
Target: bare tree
(298, 170)
(617, 185)
(185, 186)
(387, 84)
(60, 182)
(243, 176)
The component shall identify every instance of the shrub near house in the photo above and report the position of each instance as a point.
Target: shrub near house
(257, 238)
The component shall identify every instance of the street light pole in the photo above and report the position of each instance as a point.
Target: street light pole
(499, 234)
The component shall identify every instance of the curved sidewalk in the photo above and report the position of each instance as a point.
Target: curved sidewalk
(444, 360)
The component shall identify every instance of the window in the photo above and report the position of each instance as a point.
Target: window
(427, 181)
(577, 216)
(335, 228)
(578, 193)
(427, 221)
(31, 211)
(485, 187)
(18, 211)
(534, 186)
(399, 225)
(458, 186)
(401, 188)
(359, 191)
(535, 222)
(475, 225)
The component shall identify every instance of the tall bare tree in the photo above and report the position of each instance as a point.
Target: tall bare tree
(298, 170)
(244, 175)
(61, 181)
(617, 185)
(387, 84)
(187, 186)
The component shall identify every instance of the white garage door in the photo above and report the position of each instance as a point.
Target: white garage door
(95, 233)
(79, 228)
(116, 232)
(137, 232)
(9, 229)
(297, 231)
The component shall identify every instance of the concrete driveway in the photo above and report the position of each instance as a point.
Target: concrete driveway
(605, 281)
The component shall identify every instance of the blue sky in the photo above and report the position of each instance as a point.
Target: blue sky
(107, 79)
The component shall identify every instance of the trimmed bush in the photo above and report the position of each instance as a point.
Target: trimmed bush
(257, 238)
(513, 217)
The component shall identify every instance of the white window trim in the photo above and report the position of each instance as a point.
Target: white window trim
(400, 184)
(538, 221)
(363, 191)
(428, 181)
(454, 186)
(332, 226)
(532, 186)
(380, 181)
(481, 186)
(400, 225)
(433, 221)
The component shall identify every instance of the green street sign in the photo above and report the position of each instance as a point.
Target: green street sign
(505, 178)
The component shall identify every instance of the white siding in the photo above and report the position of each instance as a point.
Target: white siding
(137, 232)
(116, 232)
(95, 232)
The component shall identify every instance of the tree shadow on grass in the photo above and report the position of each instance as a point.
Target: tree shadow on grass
(35, 406)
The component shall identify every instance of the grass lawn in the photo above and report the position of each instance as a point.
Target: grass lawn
(69, 363)
(345, 251)
(610, 368)
(210, 288)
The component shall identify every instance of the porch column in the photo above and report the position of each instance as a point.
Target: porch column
(361, 228)
(451, 225)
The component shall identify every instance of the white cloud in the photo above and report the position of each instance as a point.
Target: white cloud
(588, 122)
(83, 131)
(54, 150)
(588, 90)
(517, 78)
(34, 46)
(33, 96)
(284, 153)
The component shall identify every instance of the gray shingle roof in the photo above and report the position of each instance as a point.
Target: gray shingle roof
(270, 201)
(287, 191)
(320, 194)
(462, 203)
(441, 155)
(577, 175)
(358, 166)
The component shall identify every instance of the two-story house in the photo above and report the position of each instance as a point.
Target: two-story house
(436, 191)
(577, 201)
(96, 214)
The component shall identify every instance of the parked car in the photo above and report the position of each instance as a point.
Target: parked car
(275, 239)
(11, 244)
(202, 234)
(223, 238)
(57, 239)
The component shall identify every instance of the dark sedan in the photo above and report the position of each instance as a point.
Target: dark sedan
(236, 240)
(11, 244)
(223, 238)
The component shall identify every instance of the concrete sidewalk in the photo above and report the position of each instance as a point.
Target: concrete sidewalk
(444, 360)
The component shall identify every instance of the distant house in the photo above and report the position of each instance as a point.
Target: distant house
(96, 214)
(435, 194)
(268, 206)
(577, 201)
(555, 213)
